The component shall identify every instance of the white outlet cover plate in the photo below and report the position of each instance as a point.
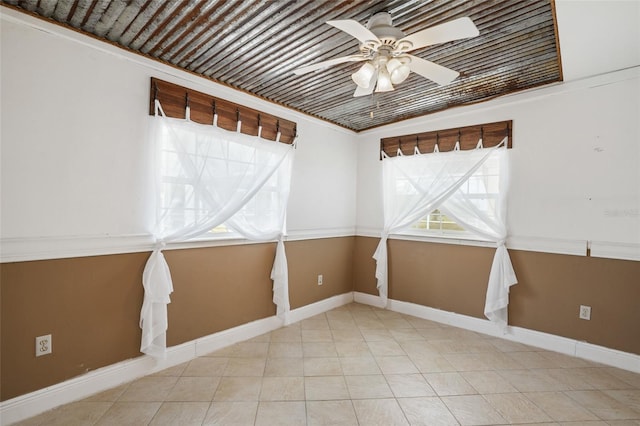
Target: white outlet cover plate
(585, 312)
(43, 345)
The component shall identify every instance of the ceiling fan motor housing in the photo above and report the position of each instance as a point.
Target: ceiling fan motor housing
(381, 25)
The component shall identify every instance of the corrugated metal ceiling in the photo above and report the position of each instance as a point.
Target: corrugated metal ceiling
(255, 45)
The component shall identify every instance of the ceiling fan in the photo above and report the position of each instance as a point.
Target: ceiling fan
(385, 49)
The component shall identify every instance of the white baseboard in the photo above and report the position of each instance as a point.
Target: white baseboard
(317, 308)
(34, 403)
(589, 351)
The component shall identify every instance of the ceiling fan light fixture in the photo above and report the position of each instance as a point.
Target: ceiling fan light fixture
(384, 80)
(362, 77)
(398, 70)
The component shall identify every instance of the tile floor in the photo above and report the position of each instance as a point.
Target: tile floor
(358, 365)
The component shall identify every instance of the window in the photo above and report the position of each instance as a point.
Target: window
(483, 188)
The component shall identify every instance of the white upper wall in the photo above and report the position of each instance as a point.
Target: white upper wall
(598, 36)
(74, 117)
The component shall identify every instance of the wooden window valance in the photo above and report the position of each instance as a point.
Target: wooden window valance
(491, 133)
(174, 98)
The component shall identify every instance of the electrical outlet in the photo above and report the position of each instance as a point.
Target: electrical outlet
(319, 279)
(585, 312)
(43, 345)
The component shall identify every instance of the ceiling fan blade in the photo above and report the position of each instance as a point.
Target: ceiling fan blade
(433, 72)
(369, 90)
(328, 63)
(355, 29)
(453, 30)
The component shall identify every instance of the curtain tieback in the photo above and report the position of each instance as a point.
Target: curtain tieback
(159, 246)
(501, 242)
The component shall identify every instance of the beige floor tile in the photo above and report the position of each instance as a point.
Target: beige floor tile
(427, 411)
(573, 378)
(628, 397)
(368, 323)
(396, 365)
(287, 334)
(251, 349)
(379, 412)
(319, 322)
(386, 314)
(148, 389)
(325, 388)
(364, 387)
(284, 367)
(76, 413)
(499, 361)
(377, 335)
(314, 335)
(449, 384)
(406, 334)
(329, 366)
(487, 382)
(409, 385)
(206, 366)
(359, 366)
(603, 405)
(290, 413)
(397, 323)
(532, 380)
(516, 408)
(431, 363)
(175, 371)
(339, 315)
(347, 335)
(418, 348)
(285, 350)
(534, 360)
(245, 367)
(566, 361)
(624, 422)
(508, 346)
(353, 349)
(110, 395)
(419, 323)
(600, 378)
(321, 413)
(194, 389)
(129, 413)
(238, 389)
(385, 348)
(472, 410)
(231, 414)
(439, 333)
(180, 413)
(629, 377)
(468, 362)
(318, 349)
(560, 407)
(342, 324)
(282, 389)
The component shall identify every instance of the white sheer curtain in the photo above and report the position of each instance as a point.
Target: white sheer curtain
(461, 184)
(207, 176)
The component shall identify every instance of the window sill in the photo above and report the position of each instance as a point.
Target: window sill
(460, 239)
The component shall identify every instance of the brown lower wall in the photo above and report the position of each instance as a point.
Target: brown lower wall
(547, 297)
(91, 305)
